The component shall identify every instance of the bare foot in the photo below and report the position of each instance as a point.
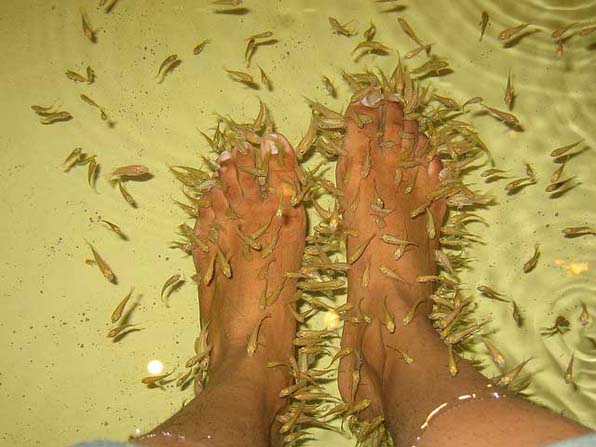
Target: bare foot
(403, 368)
(254, 236)
(383, 184)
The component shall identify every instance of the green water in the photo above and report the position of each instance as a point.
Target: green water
(61, 379)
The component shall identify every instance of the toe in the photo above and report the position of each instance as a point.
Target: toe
(228, 173)
(282, 181)
(244, 157)
(393, 118)
(362, 126)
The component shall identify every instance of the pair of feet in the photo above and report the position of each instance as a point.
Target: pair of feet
(379, 191)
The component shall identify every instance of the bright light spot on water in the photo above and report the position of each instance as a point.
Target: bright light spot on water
(331, 320)
(137, 431)
(573, 268)
(155, 367)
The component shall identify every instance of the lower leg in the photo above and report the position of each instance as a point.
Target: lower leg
(380, 194)
(238, 407)
(413, 391)
(245, 241)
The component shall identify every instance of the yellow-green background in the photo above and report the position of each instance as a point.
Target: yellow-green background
(61, 379)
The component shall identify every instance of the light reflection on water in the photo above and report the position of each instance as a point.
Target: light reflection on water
(157, 125)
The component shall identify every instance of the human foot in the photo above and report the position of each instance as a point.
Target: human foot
(254, 236)
(385, 175)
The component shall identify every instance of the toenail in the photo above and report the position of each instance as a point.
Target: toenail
(443, 173)
(271, 146)
(225, 155)
(372, 98)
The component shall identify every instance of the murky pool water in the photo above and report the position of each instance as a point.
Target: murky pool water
(62, 380)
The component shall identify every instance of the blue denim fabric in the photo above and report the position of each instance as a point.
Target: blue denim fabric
(103, 443)
(580, 441)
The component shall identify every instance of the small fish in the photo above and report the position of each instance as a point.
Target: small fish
(495, 354)
(474, 100)
(249, 51)
(531, 263)
(443, 260)
(369, 34)
(170, 282)
(569, 370)
(115, 228)
(405, 26)
(73, 155)
(105, 269)
(466, 332)
(56, 117)
(490, 293)
(117, 313)
(561, 326)
(587, 30)
(404, 355)
(431, 231)
(518, 183)
(89, 101)
(558, 33)
(491, 172)
(87, 31)
(340, 29)
(509, 94)
(411, 312)
(265, 79)
(263, 35)
(167, 61)
(199, 48)
(564, 149)
(507, 118)
(183, 378)
(556, 175)
(433, 65)
(559, 48)
(391, 273)
(227, 2)
(119, 330)
(579, 231)
(169, 69)
(510, 32)
(151, 380)
(389, 321)
(253, 339)
(274, 296)
(131, 201)
(516, 314)
(512, 374)
(129, 171)
(452, 363)
(329, 87)
(370, 46)
(360, 249)
(74, 76)
(92, 169)
(584, 317)
(394, 240)
(42, 110)
(241, 76)
(555, 186)
(340, 354)
(224, 265)
(90, 75)
(208, 275)
(415, 52)
(484, 19)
